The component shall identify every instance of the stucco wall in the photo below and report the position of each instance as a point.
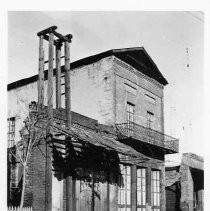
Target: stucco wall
(92, 87)
(136, 89)
(91, 94)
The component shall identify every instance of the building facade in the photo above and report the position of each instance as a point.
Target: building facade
(122, 89)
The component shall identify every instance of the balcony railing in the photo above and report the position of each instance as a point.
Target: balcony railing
(147, 135)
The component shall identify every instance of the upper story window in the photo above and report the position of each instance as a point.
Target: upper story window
(130, 117)
(150, 119)
(11, 131)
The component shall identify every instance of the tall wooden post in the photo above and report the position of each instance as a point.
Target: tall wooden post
(49, 126)
(58, 76)
(148, 186)
(92, 193)
(69, 182)
(162, 190)
(58, 194)
(133, 188)
(41, 73)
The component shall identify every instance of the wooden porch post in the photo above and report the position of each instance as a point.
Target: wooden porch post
(148, 187)
(49, 126)
(70, 184)
(133, 188)
(41, 74)
(162, 190)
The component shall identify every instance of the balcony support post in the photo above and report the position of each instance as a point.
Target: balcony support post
(133, 188)
(162, 190)
(148, 186)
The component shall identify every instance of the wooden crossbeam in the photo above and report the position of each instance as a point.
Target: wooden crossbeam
(55, 42)
(63, 38)
(48, 30)
(58, 42)
(69, 36)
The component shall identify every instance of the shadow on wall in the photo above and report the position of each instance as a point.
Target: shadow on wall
(87, 163)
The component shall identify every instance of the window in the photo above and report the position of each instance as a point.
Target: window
(155, 180)
(141, 189)
(130, 118)
(150, 118)
(124, 192)
(11, 131)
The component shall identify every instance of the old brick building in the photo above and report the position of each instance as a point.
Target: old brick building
(123, 90)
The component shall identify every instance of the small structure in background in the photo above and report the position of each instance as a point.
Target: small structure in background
(184, 182)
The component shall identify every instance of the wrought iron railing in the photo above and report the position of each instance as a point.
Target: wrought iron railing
(139, 132)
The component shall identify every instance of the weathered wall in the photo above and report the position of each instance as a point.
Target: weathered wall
(186, 188)
(135, 88)
(92, 87)
(18, 101)
(38, 188)
(188, 183)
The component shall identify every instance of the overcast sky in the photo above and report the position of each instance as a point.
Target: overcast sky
(164, 35)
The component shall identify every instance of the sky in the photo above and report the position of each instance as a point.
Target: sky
(166, 36)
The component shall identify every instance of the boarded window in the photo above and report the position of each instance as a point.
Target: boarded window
(155, 180)
(124, 192)
(141, 189)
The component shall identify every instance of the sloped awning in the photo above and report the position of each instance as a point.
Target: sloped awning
(99, 140)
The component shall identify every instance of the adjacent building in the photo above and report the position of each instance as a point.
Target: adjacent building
(121, 90)
(184, 182)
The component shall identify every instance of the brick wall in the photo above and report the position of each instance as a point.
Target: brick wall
(28, 197)
(39, 178)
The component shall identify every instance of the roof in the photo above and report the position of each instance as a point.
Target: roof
(88, 130)
(190, 159)
(97, 139)
(137, 57)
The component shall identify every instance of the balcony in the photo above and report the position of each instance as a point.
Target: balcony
(147, 135)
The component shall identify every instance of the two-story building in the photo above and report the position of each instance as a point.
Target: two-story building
(122, 89)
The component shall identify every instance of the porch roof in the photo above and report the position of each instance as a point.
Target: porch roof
(99, 139)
